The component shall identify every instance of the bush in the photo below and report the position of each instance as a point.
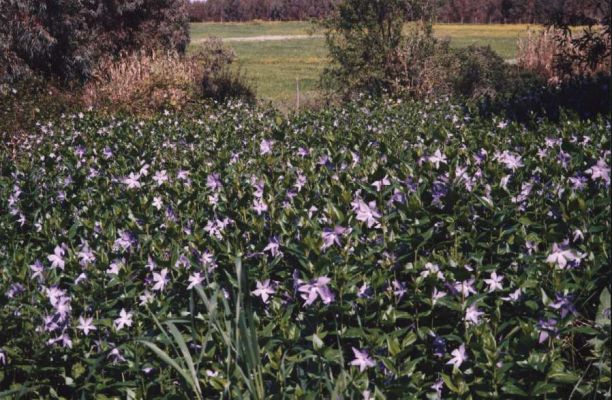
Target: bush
(65, 39)
(555, 56)
(143, 82)
(146, 82)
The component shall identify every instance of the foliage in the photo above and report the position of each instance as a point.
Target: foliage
(387, 248)
(65, 39)
(362, 37)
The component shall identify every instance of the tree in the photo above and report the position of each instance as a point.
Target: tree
(362, 37)
(64, 39)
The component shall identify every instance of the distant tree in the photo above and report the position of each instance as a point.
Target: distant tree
(363, 36)
(64, 39)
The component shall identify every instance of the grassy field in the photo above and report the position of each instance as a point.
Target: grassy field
(275, 66)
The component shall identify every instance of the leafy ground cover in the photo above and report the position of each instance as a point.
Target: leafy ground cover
(275, 66)
(406, 250)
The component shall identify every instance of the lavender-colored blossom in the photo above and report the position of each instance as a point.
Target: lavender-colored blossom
(132, 181)
(160, 177)
(514, 296)
(437, 158)
(562, 256)
(317, 288)
(439, 346)
(399, 289)
(459, 356)
(332, 236)
(14, 290)
(125, 319)
(86, 325)
(213, 182)
(465, 287)
(273, 247)
(264, 290)
(381, 183)
(194, 280)
(547, 328)
(57, 258)
(494, 282)
(161, 280)
(260, 207)
(472, 314)
(366, 212)
(600, 171)
(364, 291)
(265, 147)
(115, 356)
(362, 360)
(564, 304)
(37, 270)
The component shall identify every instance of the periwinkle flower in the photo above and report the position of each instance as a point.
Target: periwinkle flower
(362, 360)
(547, 328)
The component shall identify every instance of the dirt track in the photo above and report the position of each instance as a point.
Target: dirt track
(266, 38)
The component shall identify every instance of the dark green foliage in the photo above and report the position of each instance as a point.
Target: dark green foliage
(64, 39)
(479, 72)
(226, 84)
(363, 37)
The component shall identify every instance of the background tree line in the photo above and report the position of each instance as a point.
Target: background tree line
(447, 11)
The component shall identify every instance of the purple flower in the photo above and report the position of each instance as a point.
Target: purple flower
(366, 212)
(265, 147)
(564, 304)
(547, 328)
(115, 356)
(494, 282)
(439, 346)
(86, 325)
(37, 270)
(125, 319)
(264, 290)
(260, 207)
(331, 236)
(213, 182)
(364, 291)
(57, 258)
(362, 360)
(194, 280)
(561, 256)
(472, 314)
(399, 289)
(600, 171)
(437, 158)
(273, 247)
(132, 181)
(316, 288)
(160, 177)
(160, 279)
(459, 356)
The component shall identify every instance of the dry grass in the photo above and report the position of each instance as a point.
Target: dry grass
(545, 52)
(143, 82)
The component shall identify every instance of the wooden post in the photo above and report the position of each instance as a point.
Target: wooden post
(297, 88)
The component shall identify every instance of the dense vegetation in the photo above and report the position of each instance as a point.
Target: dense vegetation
(462, 11)
(396, 249)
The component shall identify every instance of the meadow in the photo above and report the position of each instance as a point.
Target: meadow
(275, 66)
(381, 249)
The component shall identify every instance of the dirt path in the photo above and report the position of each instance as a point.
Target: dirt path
(266, 38)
